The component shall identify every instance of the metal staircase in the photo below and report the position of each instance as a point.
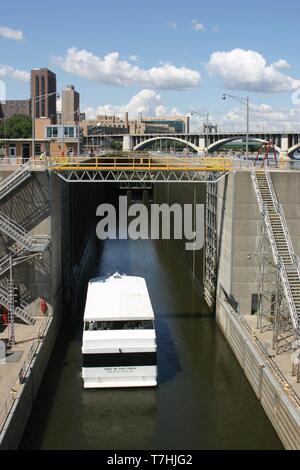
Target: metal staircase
(285, 259)
(33, 244)
(25, 246)
(14, 180)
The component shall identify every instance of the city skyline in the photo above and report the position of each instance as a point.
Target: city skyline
(181, 60)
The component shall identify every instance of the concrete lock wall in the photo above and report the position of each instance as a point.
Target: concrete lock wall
(283, 416)
(238, 237)
(40, 206)
(46, 205)
(239, 227)
(183, 193)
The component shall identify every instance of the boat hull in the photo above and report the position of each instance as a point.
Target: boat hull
(116, 377)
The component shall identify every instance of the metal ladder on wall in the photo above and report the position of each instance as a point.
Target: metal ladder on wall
(21, 312)
(284, 257)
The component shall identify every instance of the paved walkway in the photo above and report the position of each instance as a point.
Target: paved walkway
(17, 361)
(283, 361)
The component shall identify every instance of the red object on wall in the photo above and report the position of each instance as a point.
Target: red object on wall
(43, 306)
(5, 317)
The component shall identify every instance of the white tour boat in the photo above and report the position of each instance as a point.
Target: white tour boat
(119, 341)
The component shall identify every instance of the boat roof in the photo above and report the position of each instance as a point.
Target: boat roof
(118, 297)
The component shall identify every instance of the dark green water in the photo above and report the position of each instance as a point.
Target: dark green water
(203, 400)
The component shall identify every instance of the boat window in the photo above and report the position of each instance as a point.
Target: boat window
(119, 325)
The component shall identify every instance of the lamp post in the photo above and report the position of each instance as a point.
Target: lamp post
(78, 133)
(246, 102)
(11, 310)
(38, 99)
(206, 116)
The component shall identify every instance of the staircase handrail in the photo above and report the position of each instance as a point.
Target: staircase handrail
(29, 240)
(277, 258)
(14, 176)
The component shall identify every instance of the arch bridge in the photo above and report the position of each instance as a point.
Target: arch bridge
(285, 143)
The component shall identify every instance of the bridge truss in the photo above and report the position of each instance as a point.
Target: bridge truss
(88, 176)
(142, 170)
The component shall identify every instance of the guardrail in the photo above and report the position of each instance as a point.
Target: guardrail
(291, 393)
(12, 396)
(282, 378)
(142, 164)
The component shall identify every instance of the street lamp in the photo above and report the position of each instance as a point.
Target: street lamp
(78, 131)
(246, 102)
(206, 116)
(38, 99)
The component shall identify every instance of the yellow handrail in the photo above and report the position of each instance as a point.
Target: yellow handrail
(138, 163)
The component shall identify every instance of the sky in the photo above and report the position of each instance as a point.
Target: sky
(161, 57)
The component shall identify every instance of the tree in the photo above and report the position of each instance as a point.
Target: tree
(116, 145)
(18, 126)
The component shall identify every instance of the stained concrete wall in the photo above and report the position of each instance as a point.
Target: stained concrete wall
(184, 193)
(46, 205)
(40, 205)
(284, 417)
(239, 228)
(287, 187)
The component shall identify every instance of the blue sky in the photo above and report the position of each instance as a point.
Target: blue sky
(184, 35)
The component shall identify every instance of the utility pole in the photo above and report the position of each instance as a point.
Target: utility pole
(11, 310)
(35, 100)
(78, 131)
(33, 104)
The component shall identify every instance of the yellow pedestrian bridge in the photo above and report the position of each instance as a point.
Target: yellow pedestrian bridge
(147, 169)
(140, 168)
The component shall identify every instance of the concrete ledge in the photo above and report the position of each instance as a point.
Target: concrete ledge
(14, 426)
(281, 411)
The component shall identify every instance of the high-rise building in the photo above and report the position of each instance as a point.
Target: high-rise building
(43, 82)
(70, 105)
(11, 107)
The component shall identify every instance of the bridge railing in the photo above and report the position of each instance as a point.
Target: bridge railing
(142, 162)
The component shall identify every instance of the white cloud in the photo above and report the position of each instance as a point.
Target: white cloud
(146, 102)
(175, 112)
(197, 26)
(262, 118)
(248, 71)
(134, 58)
(216, 29)
(281, 64)
(172, 25)
(8, 71)
(161, 110)
(111, 70)
(10, 33)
